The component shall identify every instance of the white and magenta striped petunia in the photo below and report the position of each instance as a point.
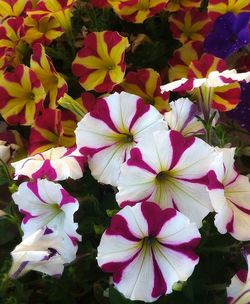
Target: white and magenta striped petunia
(239, 290)
(55, 164)
(230, 198)
(170, 170)
(41, 251)
(108, 133)
(183, 117)
(46, 204)
(148, 250)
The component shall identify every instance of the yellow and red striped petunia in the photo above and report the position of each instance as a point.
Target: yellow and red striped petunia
(22, 96)
(211, 83)
(222, 98)
(137, 10)
(12, 45)
(182, 57)
(175, 5)
(217, 8)
(146, 84)
(14, 7)
(53, 82)
(190, 24)
(59, 9)
(43, 30)
(53, 128)
(100, 63)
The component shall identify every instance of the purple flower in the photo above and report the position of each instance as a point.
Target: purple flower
(242, 112)
(229, 34)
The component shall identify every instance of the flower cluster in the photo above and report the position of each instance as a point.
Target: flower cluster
(133, 126)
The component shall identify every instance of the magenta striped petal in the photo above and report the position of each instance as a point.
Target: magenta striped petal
(171, 170)
(183, 117)
(108, 133)
(239, 290)
(55, 164)
(230, 197)
(40, 251)
(145, 255)
(46, 204)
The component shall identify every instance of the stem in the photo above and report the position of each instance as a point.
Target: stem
(7, 173)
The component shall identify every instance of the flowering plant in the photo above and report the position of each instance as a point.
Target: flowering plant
(124, 151)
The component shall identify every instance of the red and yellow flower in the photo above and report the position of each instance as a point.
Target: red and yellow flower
(53, 128)
(211, 83)
(14, 7)
(190, 24)
(12, 45)
(182, 58)
(100, 63)
(53, 82)
(217, 8)
(146, 84)
(43, 30)
(137, 10)
(22, 96)
(59, 9)
(176, 5)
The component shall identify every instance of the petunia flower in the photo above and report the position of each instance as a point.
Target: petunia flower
(183, 117)
(40, 251)
(14, 7)
(230, 198)
(59, 9)
(53, 82)
(12, 45)
(100, 63)
(55, 164)
(189, 24)
(148, 250)
(176, 5)
(212, 84)
(239, 290)
(217, 8)
(108, 133)
(170, 170)
(146, 84)
(47, 204)
(43, 30)
(137, 11)
(53, 128)
(22, 96)
(229, 34)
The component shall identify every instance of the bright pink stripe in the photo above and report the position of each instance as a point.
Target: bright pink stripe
(33, 186)
(101, 112)
(119, 227)
(160, 285)
(141, 109)
(66, 198)
(185, 248)
(118, 267)
(151, 212)
(28, 216)
(179, 145)
(137, 161)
